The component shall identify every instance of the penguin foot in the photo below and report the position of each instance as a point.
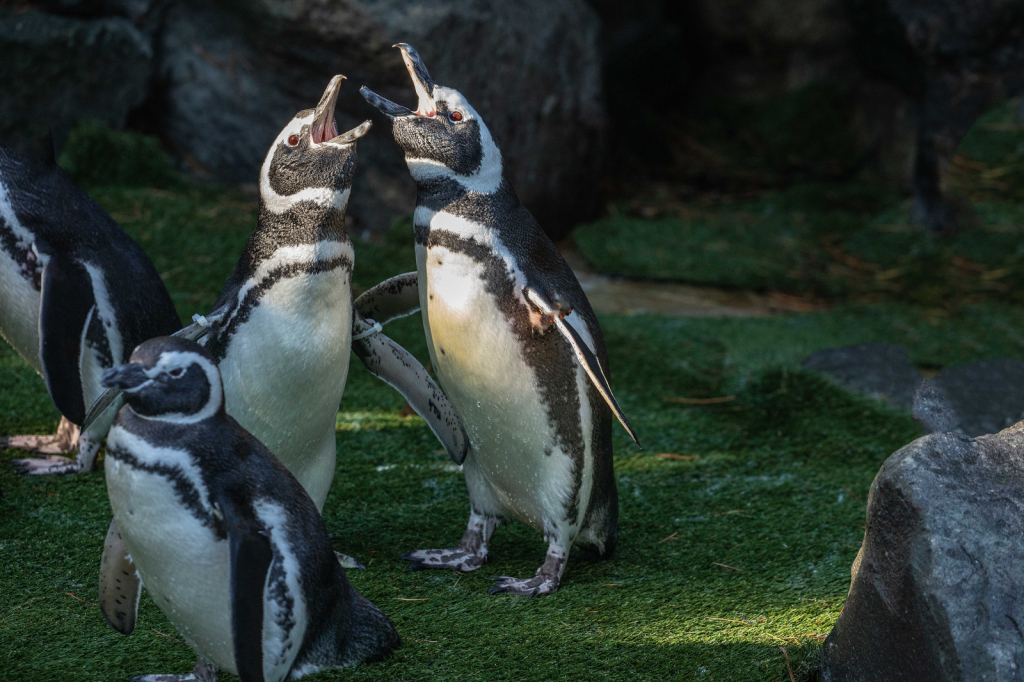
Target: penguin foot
(42, 466)
(65, 440)
(203, 672)
(348, 562)
(546, 581)
(455, 559)
(57, 465)
(527, 587)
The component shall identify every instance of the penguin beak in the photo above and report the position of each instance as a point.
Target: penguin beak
(324, 127)
(421, 80)
(128, 377)
(352, 135)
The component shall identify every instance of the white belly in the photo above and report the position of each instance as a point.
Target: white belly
(479, 361)
(285, 371)
(19, 311)
(183, 565)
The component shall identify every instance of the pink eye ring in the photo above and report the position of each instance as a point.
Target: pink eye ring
(455, 116)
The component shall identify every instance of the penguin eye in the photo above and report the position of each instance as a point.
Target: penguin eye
(455, 116)
(293, 140)
(176, 372)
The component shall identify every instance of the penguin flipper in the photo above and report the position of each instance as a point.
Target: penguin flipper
(119, 583)
(251, 555)
(66, 311)
(585, 356)
(391, 299)
(396, 367)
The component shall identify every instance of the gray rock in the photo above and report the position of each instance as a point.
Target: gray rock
(934, 410)
(57, 70)
(230, 74)
(881, 370)
(985, 397)
(937, 594)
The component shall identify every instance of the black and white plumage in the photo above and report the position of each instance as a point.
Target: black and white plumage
(76, 295)
(512, 337)
(282, 328)
(227, 542)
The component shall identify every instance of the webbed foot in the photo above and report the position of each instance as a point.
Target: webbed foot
(65, 440)
(57, 465)
(453, 558)
(527, 587)
(203, 672)
(349, 562)
(469, 555)
(546, 581)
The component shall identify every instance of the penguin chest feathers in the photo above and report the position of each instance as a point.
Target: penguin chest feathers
(285, 364)
(521, 394)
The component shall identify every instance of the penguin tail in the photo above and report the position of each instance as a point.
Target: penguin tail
(371, 635)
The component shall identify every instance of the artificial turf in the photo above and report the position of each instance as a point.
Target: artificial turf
(739, 519)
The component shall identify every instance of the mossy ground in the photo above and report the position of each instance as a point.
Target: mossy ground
(737, 544)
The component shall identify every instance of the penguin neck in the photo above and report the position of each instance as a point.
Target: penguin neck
(487, 210)
(304, 223)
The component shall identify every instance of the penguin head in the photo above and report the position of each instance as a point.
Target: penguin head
(445, 137)
(170, 379)
(309, 160)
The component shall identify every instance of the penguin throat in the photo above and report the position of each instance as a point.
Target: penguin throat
(321, 132)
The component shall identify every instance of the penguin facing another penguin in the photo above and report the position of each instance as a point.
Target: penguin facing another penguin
(512, 337)
(76, 295)
(227, 542)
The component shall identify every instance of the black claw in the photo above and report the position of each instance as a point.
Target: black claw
(406, 557)
(418, 566)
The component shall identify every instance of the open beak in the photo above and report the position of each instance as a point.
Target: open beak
(124, 377)
(324, 128)
(421, 80)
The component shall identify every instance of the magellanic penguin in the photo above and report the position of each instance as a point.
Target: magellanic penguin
(512, 337)
(76, 295)
(227, 542)
(282, 329)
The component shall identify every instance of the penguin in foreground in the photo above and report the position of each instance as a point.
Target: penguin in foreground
(282, 329)
(227, 542)
(512, 337)
(76, 295)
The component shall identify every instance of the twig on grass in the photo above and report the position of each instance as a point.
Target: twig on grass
(160, 634)
(672, 455)
(786, 654)
(80, 599)
(731, 511)
(45, 491)
(670, 537)
(731, 568)
(408, 599)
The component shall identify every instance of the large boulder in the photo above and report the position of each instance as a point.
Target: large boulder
(976, 399)
(56, 70)
(937, 587)
(229, 75)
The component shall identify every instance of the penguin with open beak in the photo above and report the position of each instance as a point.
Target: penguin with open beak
(512, 337)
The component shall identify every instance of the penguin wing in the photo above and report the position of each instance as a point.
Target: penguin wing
(251, 555)
(396, 366)
(583, 354)
(119, 583)
(67, 309)
(391, 299)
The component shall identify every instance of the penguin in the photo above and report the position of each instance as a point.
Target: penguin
(512, 338)
(76, 295)
(227, 542)
(283, 327)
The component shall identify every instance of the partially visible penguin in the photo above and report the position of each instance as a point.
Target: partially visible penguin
(512, 337)
(282, 330)
(227, 542)
(76, 295)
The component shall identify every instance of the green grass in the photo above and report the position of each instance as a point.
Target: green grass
(775, 490)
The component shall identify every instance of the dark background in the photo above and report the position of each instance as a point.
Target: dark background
(592, 101)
